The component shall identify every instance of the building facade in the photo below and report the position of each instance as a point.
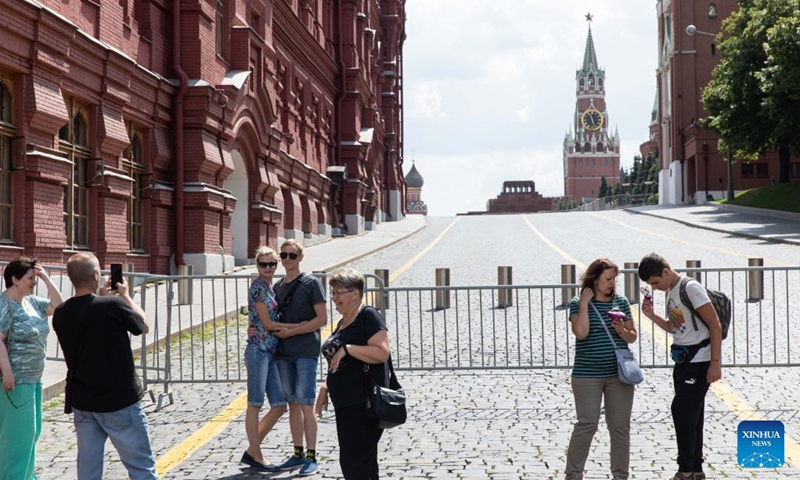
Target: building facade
(692, 166)
(414, 183)
(591, 151)
(165, 134)
(520, 197)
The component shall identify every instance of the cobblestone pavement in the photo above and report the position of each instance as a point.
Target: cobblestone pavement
(501, 423)
(478, 425)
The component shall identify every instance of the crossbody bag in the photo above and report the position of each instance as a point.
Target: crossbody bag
(628, 369)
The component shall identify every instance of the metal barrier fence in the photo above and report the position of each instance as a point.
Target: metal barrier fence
(198, 324)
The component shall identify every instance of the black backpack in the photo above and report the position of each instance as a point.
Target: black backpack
(720, 301)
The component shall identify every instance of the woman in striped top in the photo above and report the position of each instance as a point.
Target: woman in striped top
(594, 377)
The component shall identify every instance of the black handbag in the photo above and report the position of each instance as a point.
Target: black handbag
(386, 406)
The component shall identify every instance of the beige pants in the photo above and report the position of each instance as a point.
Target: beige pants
(589, 393)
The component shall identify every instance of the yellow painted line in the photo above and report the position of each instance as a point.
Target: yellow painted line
(554, 247)
(421, 254)
(732, 253)
(179, 453)
(721, 389)
(328, 329)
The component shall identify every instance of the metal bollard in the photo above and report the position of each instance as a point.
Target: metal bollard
(505, 296)
(567, 277)
(185, 290)
(755, 280)
(382, 297)
(442, 296)
(696, 275)
(323, 278)
(632, 283)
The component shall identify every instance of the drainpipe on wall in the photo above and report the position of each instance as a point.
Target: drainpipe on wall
(178, 128)
(339, 102)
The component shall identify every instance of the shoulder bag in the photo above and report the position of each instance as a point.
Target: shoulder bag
(629, 371)
(282, 306)
(386, 406)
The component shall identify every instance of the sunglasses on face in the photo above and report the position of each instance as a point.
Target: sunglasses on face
(267, 264)
(293, 256)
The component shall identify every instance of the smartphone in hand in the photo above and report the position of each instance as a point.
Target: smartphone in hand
(116, 275)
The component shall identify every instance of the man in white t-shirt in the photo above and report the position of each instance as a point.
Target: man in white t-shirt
(697, 351)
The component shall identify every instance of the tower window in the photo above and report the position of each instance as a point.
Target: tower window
(712, 10)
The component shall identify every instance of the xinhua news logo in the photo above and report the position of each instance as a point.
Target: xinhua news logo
(761, 444)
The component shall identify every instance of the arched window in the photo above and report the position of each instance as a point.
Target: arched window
(74, 143)
(134, 163)
(577, 147)
(587, 147)
(7, 132)
(712, 10)
(600, 147)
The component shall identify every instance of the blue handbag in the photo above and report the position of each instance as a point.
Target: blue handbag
(629, 371)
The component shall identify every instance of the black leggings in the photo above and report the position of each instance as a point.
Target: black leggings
(358, 443)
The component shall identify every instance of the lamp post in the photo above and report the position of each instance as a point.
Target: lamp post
(692, 30)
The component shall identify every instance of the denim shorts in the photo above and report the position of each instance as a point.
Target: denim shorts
(299, 377)
(263, 377)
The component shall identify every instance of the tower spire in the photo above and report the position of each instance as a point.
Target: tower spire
(589, 56)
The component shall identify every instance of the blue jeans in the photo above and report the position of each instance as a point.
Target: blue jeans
(127, 429)
(299, 377)
(263, 376)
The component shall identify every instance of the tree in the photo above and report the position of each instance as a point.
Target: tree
(753, 98)
(604, 190)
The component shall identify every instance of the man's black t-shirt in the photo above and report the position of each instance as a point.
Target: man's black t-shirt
(346, 385)
(98, 351)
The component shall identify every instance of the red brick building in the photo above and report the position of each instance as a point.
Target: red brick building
(591, 151)
(520, 197)
(692, 167)
(163, 133)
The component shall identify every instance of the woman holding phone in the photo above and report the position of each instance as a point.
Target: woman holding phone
(595, 379)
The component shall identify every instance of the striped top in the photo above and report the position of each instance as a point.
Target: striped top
(594, 355)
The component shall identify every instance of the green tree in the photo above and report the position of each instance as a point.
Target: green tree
(753, 98)
(604, 190)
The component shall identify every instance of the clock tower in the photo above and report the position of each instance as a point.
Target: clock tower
(591, 152)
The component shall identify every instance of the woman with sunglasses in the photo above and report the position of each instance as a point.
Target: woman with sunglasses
(360, 339)
(595, 379)
(262, 370)
(23, 343)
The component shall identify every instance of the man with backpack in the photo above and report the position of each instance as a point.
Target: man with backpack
(697, 350)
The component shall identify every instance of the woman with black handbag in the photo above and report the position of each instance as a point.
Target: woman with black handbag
(358, 347)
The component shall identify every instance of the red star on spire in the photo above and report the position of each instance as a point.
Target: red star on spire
(589, 17)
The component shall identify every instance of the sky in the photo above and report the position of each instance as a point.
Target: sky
(489, 90)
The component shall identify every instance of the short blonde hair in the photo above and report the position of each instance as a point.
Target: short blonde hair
(347, 277)
(292, 243)
(264, 250)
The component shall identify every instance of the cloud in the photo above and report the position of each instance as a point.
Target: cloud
(490, 88)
